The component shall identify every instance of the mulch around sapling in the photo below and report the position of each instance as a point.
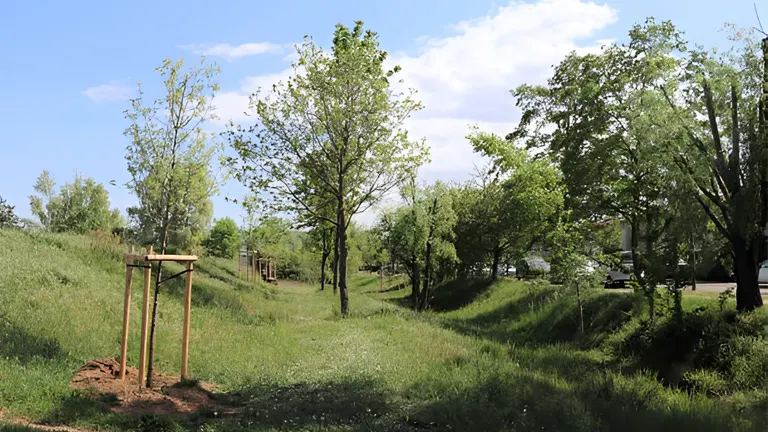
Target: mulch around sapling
(100, 379)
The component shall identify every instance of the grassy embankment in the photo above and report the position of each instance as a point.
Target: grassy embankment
(500, 357)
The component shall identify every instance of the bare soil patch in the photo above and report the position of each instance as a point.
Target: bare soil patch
(100, 380)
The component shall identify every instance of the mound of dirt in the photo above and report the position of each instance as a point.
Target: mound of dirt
(100, 379)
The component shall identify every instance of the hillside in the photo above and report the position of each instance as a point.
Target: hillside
(491, 357)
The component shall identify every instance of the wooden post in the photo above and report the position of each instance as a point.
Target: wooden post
(145, 319)
(185, 330)
(126, 316)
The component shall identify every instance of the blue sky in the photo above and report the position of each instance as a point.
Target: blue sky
(69, 67)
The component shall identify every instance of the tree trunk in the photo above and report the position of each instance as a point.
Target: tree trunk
(581, 310)
(158, 278)
(693, 263)
(746, 269)
(428, 258)
(496, 258)
(324, 260)
(415, 281)
(381, 279)
(635, 240)
(427, 273)
(343, 293)
(336, 257)
(763, 248)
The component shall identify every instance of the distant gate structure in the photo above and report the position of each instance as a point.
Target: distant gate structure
(256, 266)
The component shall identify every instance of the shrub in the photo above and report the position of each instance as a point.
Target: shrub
(7, 217)
(80, 206)
(224, 240)
(706, 381)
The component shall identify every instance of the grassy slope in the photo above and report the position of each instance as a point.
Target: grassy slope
(495, 363)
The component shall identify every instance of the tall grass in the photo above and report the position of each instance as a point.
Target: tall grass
(496, 357)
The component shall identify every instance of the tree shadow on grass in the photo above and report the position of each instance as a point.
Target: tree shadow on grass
(503, 401)
(17, 343)
(521, 400)
(548, 316)
(396, 287)
(351, 404)
(451, 296)
(458, 293)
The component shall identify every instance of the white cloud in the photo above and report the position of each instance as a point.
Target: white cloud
(109, 92)
(465, 79)
(232, 52)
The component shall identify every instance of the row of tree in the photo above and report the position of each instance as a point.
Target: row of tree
(667, 139)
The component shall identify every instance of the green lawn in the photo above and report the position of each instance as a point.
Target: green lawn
(490, 357)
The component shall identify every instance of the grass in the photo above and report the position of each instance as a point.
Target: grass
(492, 357)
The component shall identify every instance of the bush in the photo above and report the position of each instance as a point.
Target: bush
(697, 349)
(224, 240)
(706, 381)
(80, 206)
(748, 362)
(7, 217)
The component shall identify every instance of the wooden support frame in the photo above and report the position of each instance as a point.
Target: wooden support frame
(130, 259)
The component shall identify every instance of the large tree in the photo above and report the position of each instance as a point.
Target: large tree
(333, 131)
(419, 234)
(601, 118)
(169, 158)
(721, 109)
(518, 199)
(80, 206)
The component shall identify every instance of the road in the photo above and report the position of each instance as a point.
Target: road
(717, 287)
(722, 286)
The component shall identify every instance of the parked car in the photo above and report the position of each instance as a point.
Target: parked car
(762, 276)
(529, 268)
(616, 279)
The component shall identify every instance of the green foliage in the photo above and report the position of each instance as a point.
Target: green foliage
(169, 156)
(516, 200)
(724, 297)
(319, 145)
(8, 218)
(224, 239)
(611, 149)
(267, 233)
(80, 206)
(420, 235)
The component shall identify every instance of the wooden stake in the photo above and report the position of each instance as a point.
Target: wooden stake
(126, 316)
(185, 330)
(145, 320)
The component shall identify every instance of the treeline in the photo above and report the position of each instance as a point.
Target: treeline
(667, 139)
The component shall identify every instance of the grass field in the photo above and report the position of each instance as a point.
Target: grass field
(489, 357)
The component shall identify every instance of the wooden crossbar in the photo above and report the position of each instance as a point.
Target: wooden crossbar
(156, 257)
